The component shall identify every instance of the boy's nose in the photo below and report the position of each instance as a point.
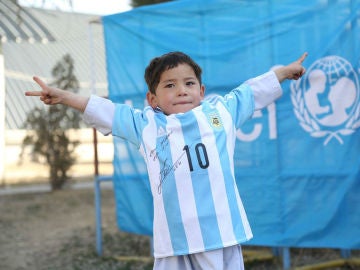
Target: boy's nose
(182, 90)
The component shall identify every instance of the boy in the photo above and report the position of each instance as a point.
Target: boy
(188, 146)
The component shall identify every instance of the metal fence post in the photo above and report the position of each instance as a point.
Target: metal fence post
(286, 258)
(98, 222)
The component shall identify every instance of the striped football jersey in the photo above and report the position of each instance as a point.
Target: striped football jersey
(189, 158)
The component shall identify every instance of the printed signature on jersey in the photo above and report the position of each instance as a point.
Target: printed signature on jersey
(162, 144)
(167, 169)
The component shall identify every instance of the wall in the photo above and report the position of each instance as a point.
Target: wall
(28, 171)
(2, 114)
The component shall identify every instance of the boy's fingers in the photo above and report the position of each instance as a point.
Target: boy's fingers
(43, 86)
(302, 58)
(39, 82)
(33, 93)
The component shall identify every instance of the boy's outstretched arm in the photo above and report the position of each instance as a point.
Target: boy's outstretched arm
(266, 87)
(292, 71)
(51, 96)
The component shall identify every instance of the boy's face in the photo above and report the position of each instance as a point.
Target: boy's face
(178, 91)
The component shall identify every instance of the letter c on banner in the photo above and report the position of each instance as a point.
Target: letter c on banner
(258, 127)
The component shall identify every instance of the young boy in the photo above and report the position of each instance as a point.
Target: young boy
(188, 146)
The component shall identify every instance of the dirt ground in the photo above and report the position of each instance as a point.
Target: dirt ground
(56, 230)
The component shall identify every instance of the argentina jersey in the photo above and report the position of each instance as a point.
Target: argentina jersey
(189, 158)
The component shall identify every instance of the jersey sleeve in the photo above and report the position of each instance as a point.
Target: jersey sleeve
(99, 114)
(266, 89)
(252, 95)
(240, 103)
(128, 123)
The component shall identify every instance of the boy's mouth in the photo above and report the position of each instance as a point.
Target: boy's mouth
(184, 102)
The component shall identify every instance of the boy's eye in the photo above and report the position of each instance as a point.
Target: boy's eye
(170, 85)
(190, 83)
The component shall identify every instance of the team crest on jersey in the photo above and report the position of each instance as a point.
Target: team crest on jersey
(327, 99)
(215, 121)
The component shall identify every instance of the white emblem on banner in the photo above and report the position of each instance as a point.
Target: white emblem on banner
(326, 100)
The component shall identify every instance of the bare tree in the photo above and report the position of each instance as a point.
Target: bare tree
(47, 128)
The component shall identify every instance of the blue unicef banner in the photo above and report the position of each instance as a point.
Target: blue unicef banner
(298, 160)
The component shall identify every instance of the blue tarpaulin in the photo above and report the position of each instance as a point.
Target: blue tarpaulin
(297, 161)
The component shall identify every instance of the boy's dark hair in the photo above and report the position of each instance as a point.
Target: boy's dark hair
(165, 62)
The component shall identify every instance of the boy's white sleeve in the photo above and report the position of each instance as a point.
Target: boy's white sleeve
(99, 113)
(266, 89)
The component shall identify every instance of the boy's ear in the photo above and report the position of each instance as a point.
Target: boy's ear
(202, 91)
(151, 99)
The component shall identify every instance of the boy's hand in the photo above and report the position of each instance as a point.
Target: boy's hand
(48, 95)
(51, 96)
(292, 71)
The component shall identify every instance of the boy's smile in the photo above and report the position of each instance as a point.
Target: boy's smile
(178, 91)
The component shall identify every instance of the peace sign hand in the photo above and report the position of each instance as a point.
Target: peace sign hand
(51, 96)
(48, 95)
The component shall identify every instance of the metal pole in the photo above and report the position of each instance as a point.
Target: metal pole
(286, 258)
(96, 159)
(97, 193)
(345, 253)
(97, 180)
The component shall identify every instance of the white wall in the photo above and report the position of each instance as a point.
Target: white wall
(2, 115)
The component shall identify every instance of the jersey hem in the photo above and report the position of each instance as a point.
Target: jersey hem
(181, 253)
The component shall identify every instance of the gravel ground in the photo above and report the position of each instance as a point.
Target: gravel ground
(56, 231)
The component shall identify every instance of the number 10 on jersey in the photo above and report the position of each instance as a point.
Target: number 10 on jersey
(201, 156)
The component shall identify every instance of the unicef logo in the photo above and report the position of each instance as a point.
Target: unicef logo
(326, 100)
